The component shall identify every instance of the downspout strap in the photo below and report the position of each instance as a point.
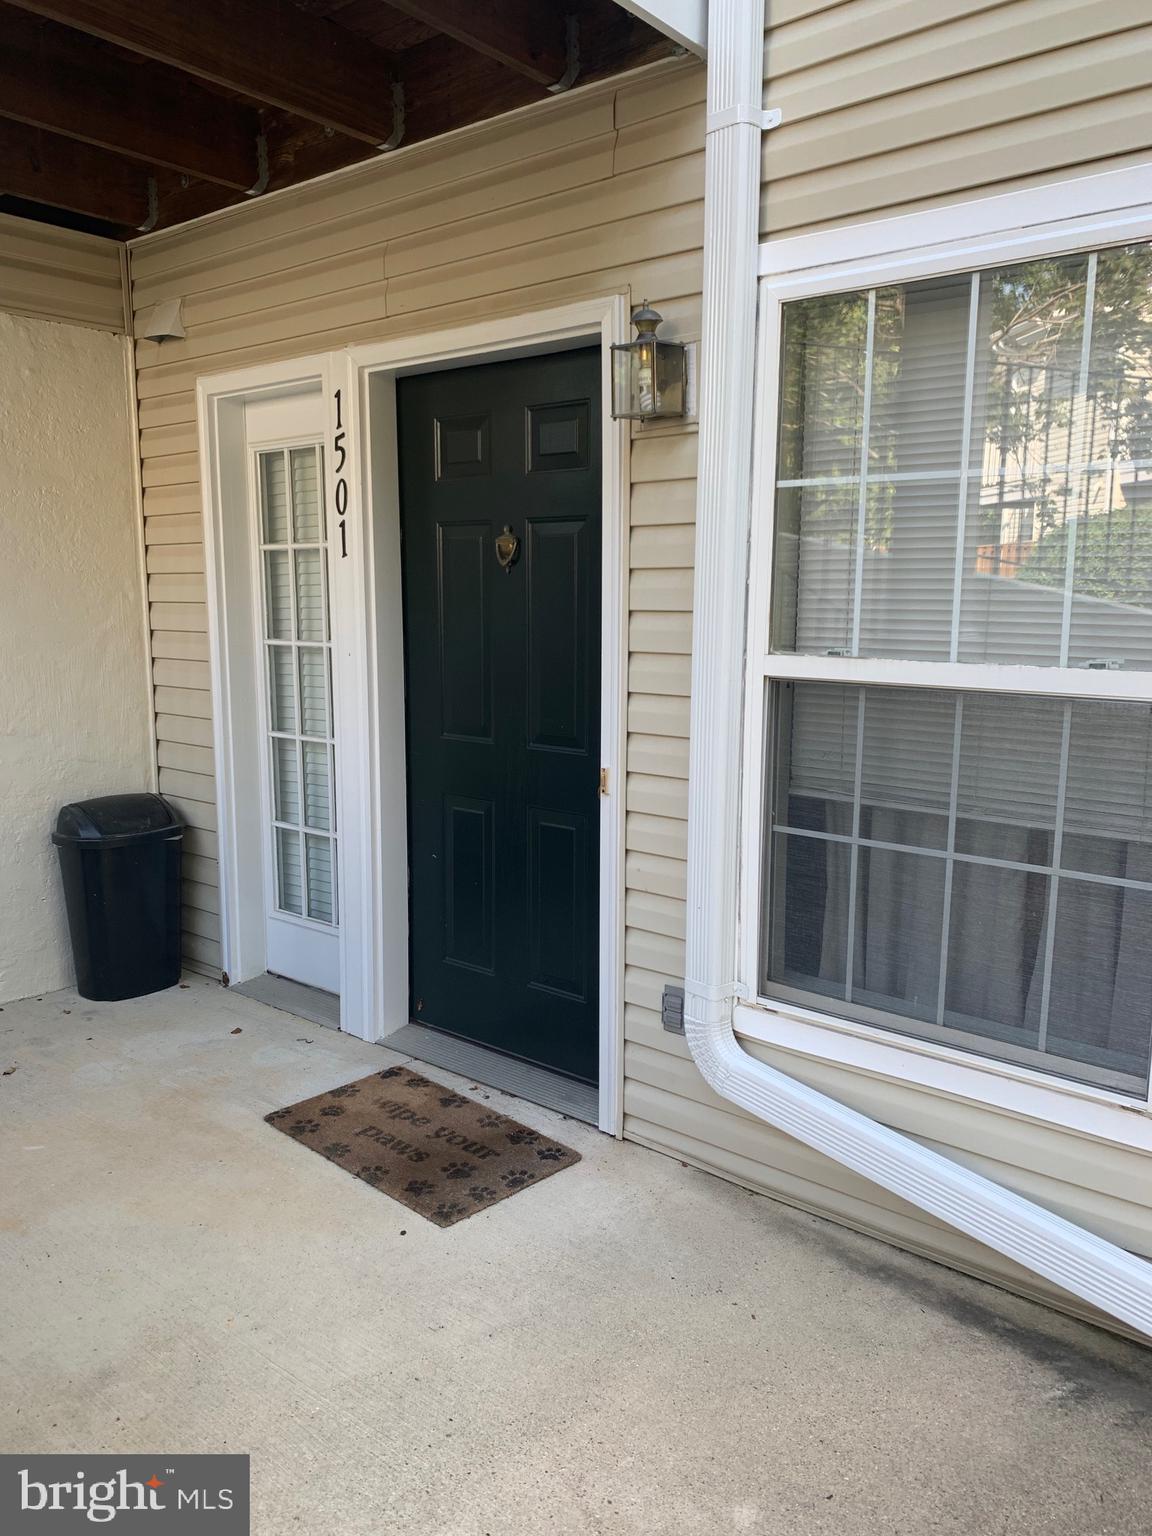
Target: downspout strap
(764, 118)
(707, 992)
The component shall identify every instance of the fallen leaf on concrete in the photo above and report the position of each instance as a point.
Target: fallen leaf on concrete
(7, 1072)
(237, 1030)
(302, 1040)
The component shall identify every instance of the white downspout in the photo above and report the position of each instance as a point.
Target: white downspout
(1096, 1271)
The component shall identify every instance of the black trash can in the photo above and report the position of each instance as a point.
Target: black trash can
(120, 858)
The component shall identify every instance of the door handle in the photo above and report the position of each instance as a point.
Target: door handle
(507, 548)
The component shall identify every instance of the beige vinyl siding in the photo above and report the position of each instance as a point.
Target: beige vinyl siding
(56, 274)
(892, 105)
(660, 638)
(534, 210)
(529, 211)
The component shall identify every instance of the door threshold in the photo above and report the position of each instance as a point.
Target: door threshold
(293, 997)
(579, 1101)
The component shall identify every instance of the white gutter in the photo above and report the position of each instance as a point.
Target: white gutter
(1096, 1271)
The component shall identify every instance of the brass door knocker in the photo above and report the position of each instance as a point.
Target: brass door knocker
(507, 548)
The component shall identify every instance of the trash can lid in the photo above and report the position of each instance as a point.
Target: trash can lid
(116, 819)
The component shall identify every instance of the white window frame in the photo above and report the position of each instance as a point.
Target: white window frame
(1110, 208)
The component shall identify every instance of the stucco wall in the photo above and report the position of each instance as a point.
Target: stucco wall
(73, 701)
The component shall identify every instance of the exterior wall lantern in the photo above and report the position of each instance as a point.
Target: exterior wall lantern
(649, 377)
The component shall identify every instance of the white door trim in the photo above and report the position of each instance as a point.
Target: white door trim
(226, 495)
(367, 656)
(369, 372)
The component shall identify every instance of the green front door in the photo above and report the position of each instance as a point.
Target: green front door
(500, 516)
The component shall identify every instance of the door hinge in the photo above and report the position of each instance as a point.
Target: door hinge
(603, 781)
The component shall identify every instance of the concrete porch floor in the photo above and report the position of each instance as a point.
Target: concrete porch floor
(631, 1347)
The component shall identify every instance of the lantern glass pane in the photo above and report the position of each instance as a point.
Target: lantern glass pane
(622, 393)
(670, 372)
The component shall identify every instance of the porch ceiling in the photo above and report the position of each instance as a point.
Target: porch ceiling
(116, 116)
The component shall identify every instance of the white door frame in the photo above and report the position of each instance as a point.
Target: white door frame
(367, 654)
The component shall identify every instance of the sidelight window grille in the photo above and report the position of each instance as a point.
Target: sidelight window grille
(297, 645)
(964, 479)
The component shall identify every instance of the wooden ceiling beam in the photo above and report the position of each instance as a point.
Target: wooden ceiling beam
(524, 35)
(269, 50)
(447, 86)
(47, 169)
(64, 82)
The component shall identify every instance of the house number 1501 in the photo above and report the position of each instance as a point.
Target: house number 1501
(340, 453)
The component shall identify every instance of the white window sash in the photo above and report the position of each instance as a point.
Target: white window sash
(1109, 209)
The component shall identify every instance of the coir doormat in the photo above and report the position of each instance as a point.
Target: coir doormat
(440, 1154)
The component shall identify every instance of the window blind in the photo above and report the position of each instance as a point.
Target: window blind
(946, 857)
(965, 467)
(964, 474)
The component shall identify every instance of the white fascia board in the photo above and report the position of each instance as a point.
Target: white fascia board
(685, 21)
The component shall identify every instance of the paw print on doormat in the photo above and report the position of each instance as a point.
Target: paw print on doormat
(522, 1137)
(489, 1122)
(390, 1072)
(304, 1127)
(348, 1091)
(277, 1115)
(483, 1192)
(418, 1187)
(550, 1154)
(336, 1149)
(372, 1173)
(449, 1208)
(517, 1178)
(452, 1101)
(333, 1109)
(459, 1170)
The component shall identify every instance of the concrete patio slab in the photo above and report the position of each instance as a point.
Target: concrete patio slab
(631, 1347)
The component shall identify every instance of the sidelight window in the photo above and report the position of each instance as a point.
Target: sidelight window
(297, 646)
(963, 503)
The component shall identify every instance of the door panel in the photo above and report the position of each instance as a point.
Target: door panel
(469, 895)
(558, 858)
(465, 633)
(557, 618)
(503, 702)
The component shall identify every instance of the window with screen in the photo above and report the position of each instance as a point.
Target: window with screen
(964, 478)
